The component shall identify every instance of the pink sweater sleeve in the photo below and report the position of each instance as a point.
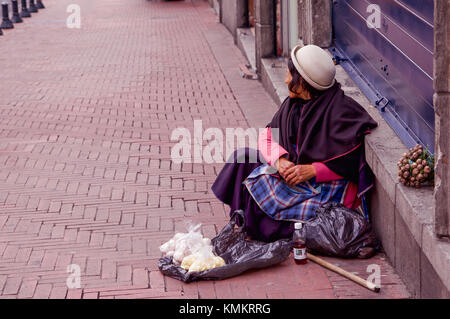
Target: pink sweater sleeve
(324, 174)
(270, 150)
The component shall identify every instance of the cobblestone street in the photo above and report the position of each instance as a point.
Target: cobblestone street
(86, 177)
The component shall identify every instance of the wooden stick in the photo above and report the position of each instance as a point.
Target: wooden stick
(342, 272)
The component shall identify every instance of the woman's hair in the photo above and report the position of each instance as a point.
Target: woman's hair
(298, 82)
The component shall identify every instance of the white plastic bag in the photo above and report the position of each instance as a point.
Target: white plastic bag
(185, 244)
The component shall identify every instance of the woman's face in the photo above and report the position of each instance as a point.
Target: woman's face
(288, 81)
(288, 77)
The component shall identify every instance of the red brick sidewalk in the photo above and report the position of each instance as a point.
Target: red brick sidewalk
(86, 175)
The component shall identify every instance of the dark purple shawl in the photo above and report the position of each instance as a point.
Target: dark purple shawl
(331, 130)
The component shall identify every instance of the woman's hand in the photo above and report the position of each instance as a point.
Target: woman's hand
(283, 165)
(299, 174)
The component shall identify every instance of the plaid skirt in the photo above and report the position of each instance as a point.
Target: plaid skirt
(295, 203)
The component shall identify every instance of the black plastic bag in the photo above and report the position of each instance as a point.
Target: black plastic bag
(340, 232)
(239, 255)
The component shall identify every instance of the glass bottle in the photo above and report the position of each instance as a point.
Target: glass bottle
(299, 240)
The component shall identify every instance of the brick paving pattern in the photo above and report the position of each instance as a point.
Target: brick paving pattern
(86, 176)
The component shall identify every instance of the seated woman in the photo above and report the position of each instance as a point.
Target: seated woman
(317, 158)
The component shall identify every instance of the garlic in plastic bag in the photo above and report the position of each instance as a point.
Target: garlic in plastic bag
(187, 262)
(203, 260)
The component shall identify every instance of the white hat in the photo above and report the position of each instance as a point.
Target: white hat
(314, 65)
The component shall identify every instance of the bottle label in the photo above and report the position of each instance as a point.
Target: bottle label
(299, 253)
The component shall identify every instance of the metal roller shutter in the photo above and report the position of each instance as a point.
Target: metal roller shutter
(391, 62)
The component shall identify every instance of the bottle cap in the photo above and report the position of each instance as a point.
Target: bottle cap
(298, 225)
